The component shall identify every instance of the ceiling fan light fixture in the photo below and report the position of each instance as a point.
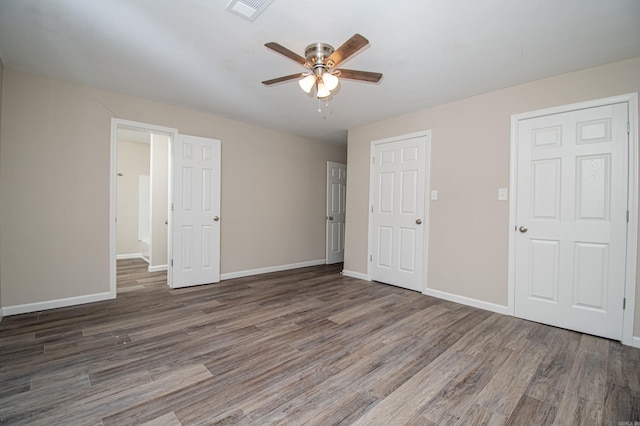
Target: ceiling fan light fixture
(323, 92)
(330, 81)
(307, 83)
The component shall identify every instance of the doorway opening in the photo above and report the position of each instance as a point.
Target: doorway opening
(139, 196)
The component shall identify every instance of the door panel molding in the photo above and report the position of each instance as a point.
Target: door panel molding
(335, 212)
(389, 191)
(589, 132)
(195, 213)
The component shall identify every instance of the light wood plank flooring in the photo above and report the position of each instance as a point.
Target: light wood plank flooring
(303, 347)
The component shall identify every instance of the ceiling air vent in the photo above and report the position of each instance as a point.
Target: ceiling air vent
(248, 9)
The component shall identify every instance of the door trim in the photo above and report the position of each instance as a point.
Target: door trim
(115, 123)
(632, 201)
(425, 229)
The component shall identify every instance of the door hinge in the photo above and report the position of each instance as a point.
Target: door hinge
(624, 303)
(370, 258)
(627, 216)
(171, 206)
(371, 209)
(373, 160)
(172, 263)
(628, 128)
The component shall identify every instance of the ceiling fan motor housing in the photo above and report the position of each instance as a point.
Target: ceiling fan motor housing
(317, 55)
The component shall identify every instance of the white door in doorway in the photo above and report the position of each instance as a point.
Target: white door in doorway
(571, 219)
(398, 212)
(336, 197)
(195, 245)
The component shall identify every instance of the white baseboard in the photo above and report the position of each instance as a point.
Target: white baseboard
(635, 342)
(158, 268)
(487, 306)
(357, 275)
(248, 273)
(463, 300)
(58, 303)
(130, 256)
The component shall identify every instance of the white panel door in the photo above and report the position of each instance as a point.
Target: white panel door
(398, 211)
(196, 211)
(571, 214)
(336, 197)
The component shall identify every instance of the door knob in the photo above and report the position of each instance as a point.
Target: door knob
(523, 229)
(216, 218)
(419, 221)
(330, 217)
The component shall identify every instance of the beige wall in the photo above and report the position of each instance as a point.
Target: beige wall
(54, 187)
(468, 241)
(133, 161)
(159, 199)
(1, 84)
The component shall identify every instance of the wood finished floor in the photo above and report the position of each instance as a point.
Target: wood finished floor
(303, 347)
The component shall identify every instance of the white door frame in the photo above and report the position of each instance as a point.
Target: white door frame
(632, 202)
(425, 229)
(115, 123)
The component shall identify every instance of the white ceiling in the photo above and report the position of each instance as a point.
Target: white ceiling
(195, 54)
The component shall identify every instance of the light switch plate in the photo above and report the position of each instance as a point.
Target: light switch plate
(434, 194)
(502, 194)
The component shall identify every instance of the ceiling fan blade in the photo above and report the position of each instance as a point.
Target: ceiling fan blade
(281, 79)
(372, 77)
(349, 47)
(288, 53)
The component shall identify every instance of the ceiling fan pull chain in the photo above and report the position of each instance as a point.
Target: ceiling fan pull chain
(327, 108)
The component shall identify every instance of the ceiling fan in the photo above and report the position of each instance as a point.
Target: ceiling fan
(322, 59)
